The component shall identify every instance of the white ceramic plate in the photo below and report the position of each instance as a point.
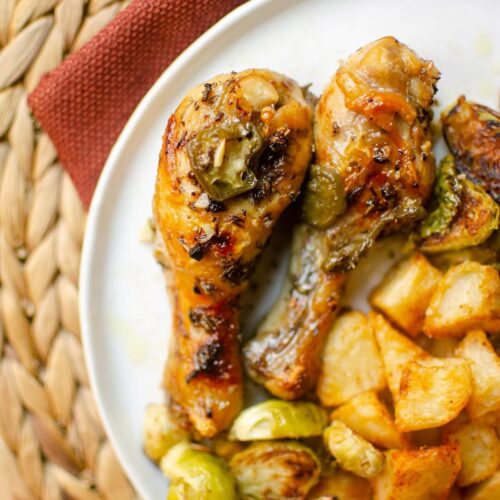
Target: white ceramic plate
(125, 314)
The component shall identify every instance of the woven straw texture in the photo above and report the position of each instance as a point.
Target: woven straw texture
(52, 444)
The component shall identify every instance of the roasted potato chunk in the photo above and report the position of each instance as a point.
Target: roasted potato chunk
(351, 361)
(492, 419)
(276, 419)
(419, 474)
(486, 490)
(432, 393)
(485, 369)
(467, 297)
(370, 418)
(405, 293)
(160, 432)
(396, 349)
(352, 452)
(274, 470)
(475, 222)
(479, 449)
(341, 485)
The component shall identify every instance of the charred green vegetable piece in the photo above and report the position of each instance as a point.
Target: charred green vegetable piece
(197, 474)
(472, 132)
(275, 419)
(447, 197)
(221, 157)
(324, 197)
(487, 253)
(476, 215)
(275, 470)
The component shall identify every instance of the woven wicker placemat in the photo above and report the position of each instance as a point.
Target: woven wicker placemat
(52, 444)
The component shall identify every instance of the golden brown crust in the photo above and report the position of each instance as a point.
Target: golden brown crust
(213, 245)
(372, 127)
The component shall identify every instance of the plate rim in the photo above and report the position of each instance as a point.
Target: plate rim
(98, 198)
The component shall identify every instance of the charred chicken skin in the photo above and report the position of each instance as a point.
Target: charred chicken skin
(234, 156)
(374, 171)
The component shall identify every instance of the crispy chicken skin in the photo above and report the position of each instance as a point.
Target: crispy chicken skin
(234, 156)
(372, 129)
(472, 132)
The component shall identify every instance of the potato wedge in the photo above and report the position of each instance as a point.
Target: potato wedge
(405, 293)
(351, 361)
(370, 418)
(352, 452)
(479, 449)
(466, 298)
(418, 474)
(396, 350)
(343, 486)
(486, 490)
(485, 369)
(432, 392)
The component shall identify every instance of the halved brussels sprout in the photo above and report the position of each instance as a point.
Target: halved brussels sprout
(275, 470)
(447, 197)
(475, 220)
(353, 453)
(324, 197)
(276, 419)
(472, 132)
(194, 473)
(160, 432)
(486, 253)
(220, 158)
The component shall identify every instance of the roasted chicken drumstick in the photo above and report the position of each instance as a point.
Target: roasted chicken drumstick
(374, 171)
(234, 156)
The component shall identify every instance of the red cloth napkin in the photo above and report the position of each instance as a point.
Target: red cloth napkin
(85, 102)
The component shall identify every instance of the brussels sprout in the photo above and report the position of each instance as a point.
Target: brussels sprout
(220, 158)
(275, 470)
(194, 473)
(476, 220)
(473, 223)
(276, 419)
(160, 432)
(353, 453)
(324, 196)
(472, 132)
(447, 195)
(486, 253)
